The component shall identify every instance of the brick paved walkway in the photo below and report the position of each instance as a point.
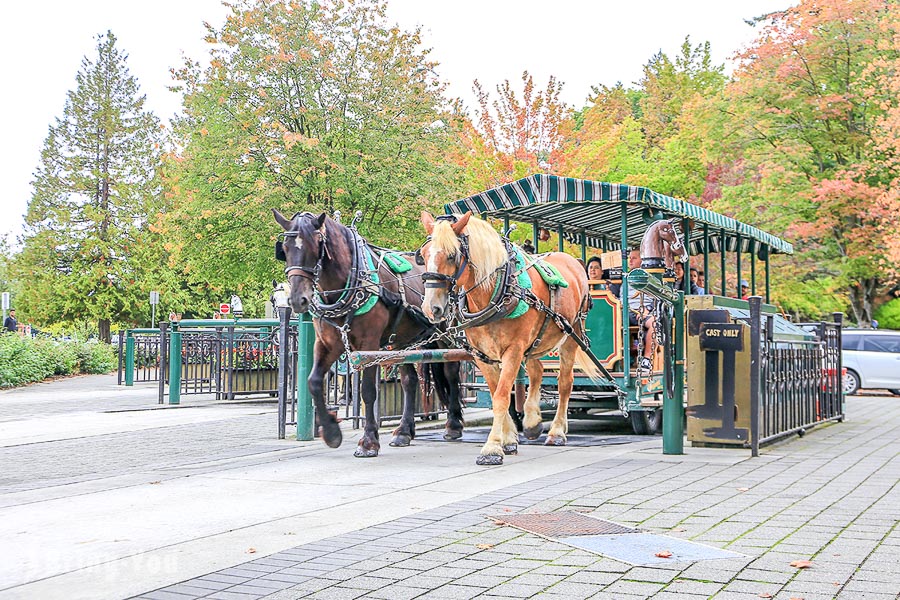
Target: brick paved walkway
(831, 497)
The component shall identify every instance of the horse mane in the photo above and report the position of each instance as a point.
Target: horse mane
(487, 253)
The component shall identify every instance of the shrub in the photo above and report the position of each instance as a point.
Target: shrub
(888, 315)
(97, 357)
(27, 360)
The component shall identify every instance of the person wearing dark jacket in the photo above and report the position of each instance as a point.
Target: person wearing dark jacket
(10, 324)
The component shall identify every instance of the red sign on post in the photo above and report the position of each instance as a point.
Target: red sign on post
(224, 308)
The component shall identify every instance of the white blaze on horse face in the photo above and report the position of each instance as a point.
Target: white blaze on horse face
(434, 297)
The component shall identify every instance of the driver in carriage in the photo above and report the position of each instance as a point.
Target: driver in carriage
(640, 307)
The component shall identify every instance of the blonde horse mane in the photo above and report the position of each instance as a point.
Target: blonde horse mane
(487, 253)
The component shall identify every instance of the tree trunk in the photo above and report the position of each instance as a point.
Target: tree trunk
(103, 326)
(862, 296)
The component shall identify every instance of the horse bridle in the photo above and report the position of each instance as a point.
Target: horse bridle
(435, 280)
(311, 273)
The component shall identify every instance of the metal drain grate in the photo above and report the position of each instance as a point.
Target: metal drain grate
(563, 524)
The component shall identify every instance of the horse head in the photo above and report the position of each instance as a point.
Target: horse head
(444, 257)
(661, 240)
(281, 293)
(303, 247)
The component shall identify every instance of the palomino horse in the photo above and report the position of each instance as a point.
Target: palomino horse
(357, 301)
(661, 241)
(465, 256)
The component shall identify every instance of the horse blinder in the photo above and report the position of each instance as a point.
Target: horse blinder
(279, 251)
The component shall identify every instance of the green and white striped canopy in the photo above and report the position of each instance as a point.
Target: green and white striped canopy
(593, 211)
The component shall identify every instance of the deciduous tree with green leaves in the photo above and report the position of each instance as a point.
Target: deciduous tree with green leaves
(317, 106)
(93, 190)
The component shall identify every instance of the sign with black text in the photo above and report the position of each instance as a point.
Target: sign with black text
(721, 337)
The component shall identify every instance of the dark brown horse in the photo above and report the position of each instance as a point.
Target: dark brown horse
(342, 280)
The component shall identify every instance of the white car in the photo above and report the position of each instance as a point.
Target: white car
(872, 360)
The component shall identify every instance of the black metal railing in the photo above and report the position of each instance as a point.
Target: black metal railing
(795, 384)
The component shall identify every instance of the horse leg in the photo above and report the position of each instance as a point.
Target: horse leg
(500, 383)
(447, 381)
(533, 427)
(323, 358)
(369, 445)
(560, 426)
(409, 381)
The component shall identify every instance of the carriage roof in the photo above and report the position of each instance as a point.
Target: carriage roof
(594, 209)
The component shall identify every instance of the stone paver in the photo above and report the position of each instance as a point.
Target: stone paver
(830, 497)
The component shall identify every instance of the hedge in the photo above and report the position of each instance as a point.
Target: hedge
(27, 360)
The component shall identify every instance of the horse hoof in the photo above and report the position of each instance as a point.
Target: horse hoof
(332, 435)
(489, 460)
(452, 435)
(533, 433)
(400, 441)
(555, 441)
(511, 449)
(365, 452)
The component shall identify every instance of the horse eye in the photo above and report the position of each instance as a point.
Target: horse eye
(451, 258)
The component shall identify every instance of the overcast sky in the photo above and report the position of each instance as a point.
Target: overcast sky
(582, 43)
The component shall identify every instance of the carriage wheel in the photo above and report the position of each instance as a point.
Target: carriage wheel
(646, 422)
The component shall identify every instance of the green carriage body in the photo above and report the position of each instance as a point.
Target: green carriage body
(605, 217)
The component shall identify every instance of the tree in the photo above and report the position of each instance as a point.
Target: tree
(605, 141)
(523, 135)
(93, 190)
(315, 106)
(804, 103)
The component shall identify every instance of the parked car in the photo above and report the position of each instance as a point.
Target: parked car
(872, 360)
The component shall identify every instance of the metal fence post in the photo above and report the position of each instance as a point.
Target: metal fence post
(673, 408)
(129, 359)
(163, 359)
(755, 305)
(305, 415)
(284, 369)
(175, 367)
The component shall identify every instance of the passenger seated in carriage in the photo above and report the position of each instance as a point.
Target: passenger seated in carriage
(595, 272)
(695, 289)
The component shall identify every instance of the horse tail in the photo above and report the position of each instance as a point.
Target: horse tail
(584, 363)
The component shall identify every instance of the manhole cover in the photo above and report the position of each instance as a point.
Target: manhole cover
(563, 524)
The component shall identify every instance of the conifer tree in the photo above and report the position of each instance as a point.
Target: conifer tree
(93, 190)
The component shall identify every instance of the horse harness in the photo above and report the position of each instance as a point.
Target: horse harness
(362, 290)
(505, 298)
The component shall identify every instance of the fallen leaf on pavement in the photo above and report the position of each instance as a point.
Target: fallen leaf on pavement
(743, 489)
(765, 595)
(801, 564)
(663, 554)
(251, 551)
(484, 546)
(499, 522)
(155, 482)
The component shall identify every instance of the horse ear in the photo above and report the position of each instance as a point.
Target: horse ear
(281, 219)
(427, 221)
(321, 220)
(461, 223)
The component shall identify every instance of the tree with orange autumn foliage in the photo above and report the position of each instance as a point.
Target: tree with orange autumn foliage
(803, 103)
(511, 136)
